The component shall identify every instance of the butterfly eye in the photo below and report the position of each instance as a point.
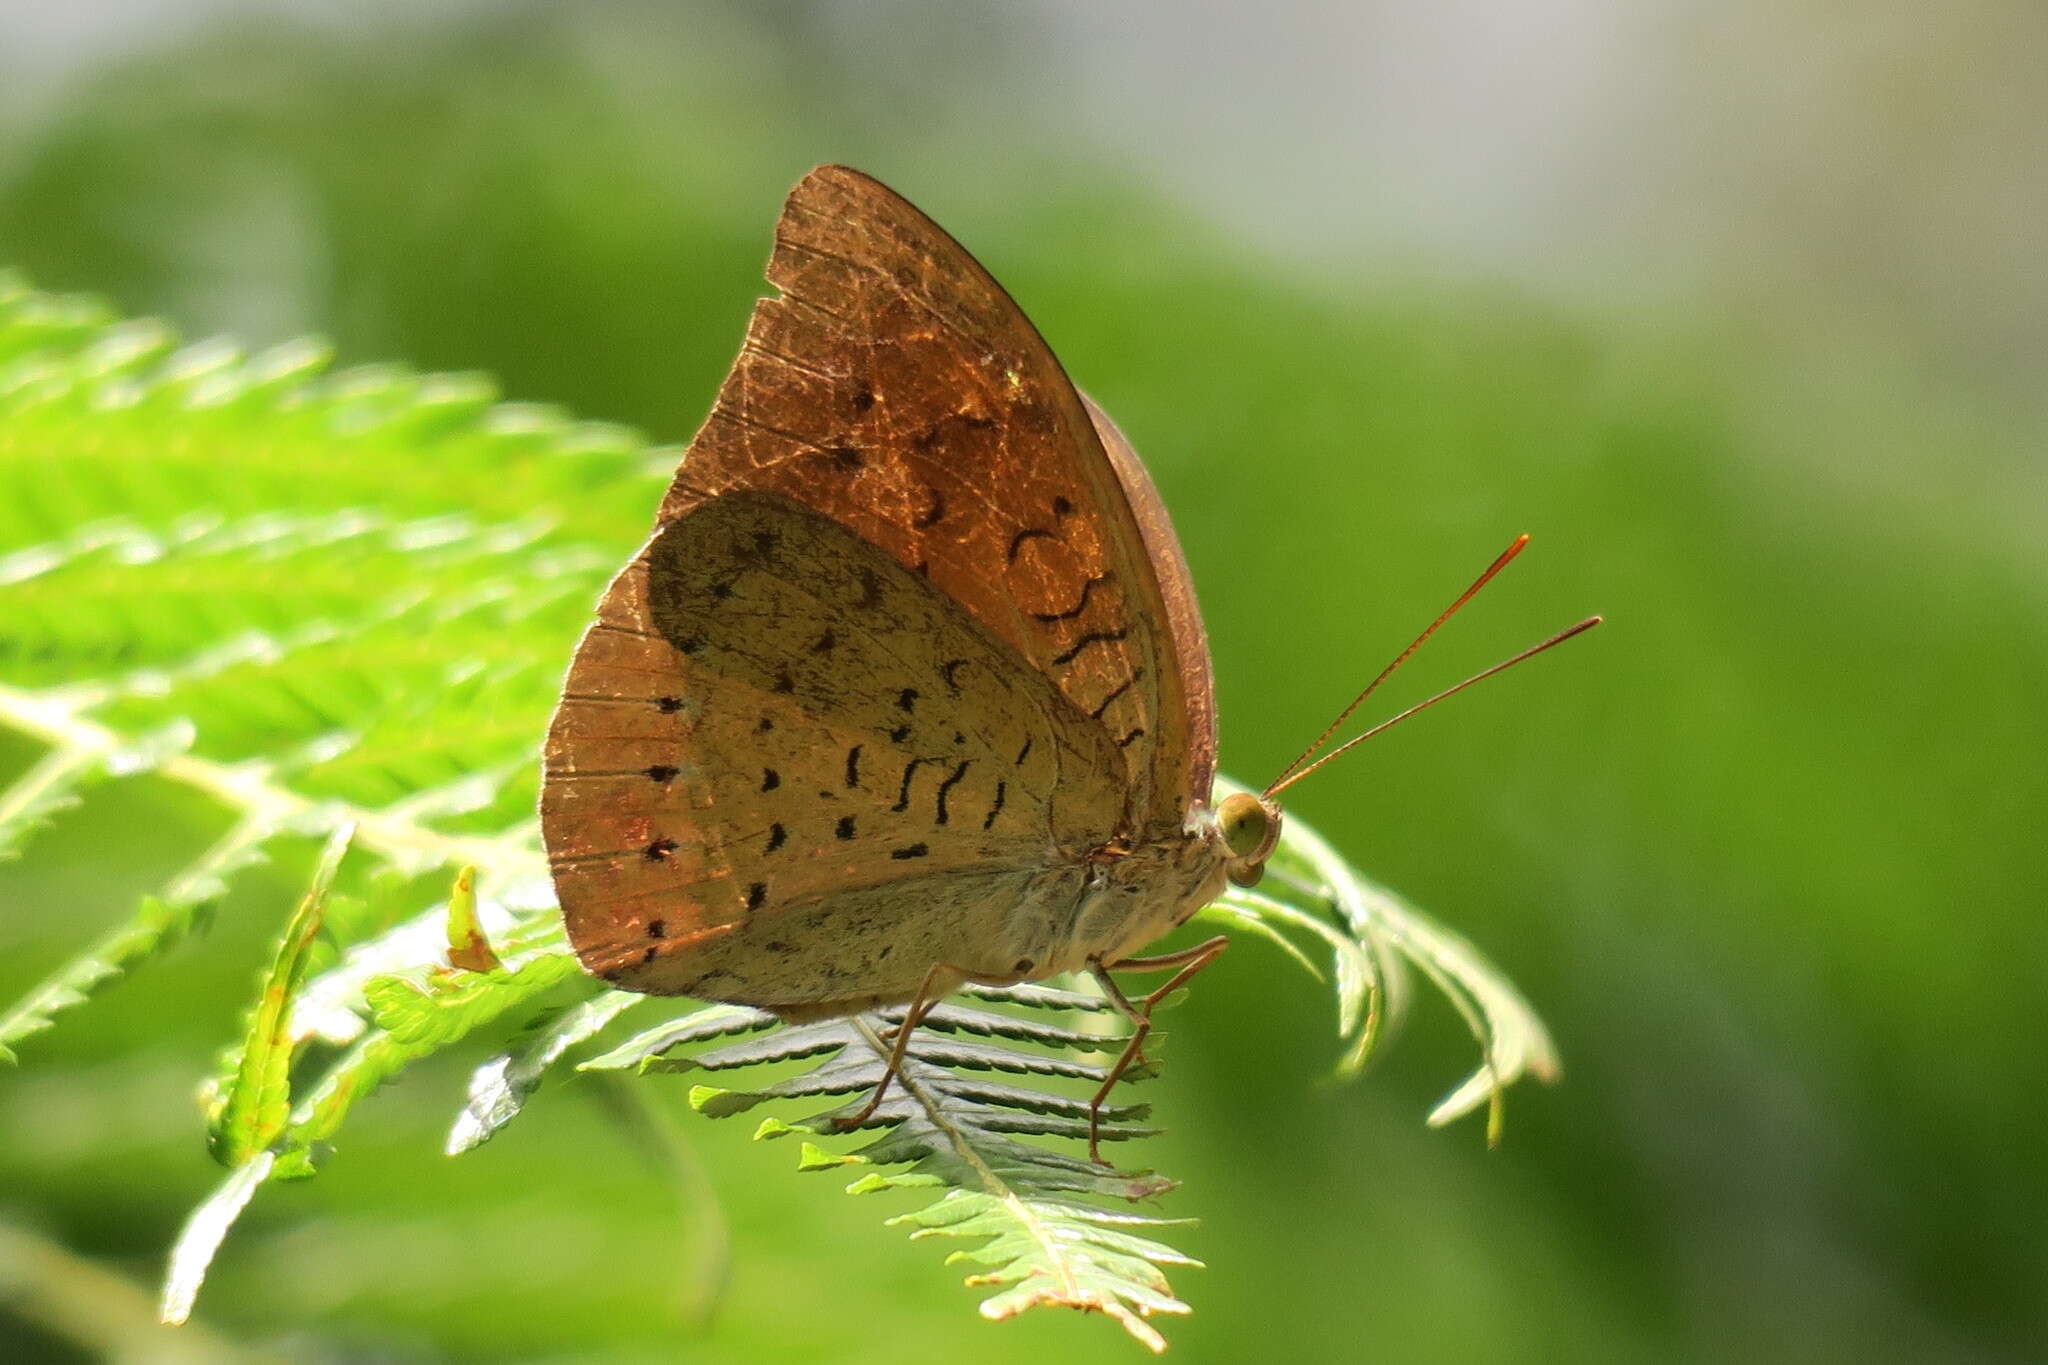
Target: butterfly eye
(1249, 829)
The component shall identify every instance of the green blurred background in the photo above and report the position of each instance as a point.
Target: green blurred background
(1738, 307)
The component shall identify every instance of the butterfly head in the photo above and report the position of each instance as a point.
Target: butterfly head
(1250, 828)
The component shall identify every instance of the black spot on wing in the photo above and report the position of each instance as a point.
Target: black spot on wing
(1079, 606)
(1093, 637)
(912, 851)
(947, 786)
(1126, 685)
(903, 794)
(1002, 790)
(1025, 537)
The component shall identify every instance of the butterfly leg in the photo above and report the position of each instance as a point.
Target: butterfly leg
(1139, 1013)
(920, 1006)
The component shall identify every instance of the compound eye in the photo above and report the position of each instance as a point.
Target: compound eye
(1245, 825)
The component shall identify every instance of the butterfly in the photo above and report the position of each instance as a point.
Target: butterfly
(908, 689)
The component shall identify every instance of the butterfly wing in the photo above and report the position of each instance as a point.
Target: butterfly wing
(790, 772)
(895, 387)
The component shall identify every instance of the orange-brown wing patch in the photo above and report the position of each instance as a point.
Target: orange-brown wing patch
(896, 388)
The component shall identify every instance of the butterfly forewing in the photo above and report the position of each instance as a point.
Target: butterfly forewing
(788, 771)
(896, 388)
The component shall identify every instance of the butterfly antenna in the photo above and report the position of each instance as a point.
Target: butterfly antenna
(1529, 653)
(1288, 774)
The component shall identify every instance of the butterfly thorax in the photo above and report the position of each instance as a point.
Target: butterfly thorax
(1142, 887)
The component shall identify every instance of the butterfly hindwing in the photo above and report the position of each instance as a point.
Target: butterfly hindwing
(784, 760)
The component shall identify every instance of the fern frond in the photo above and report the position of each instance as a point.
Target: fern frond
(946, 1123)
(255, 1098)
(500, 1087)
(340, 601)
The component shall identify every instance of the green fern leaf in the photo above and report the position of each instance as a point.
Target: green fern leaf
(327, 601)
(947, 1123)
(255, 1102)
(500, 1087)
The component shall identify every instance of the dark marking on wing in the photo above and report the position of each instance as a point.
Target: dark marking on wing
(825, 642)
(770, 779)
(949, 671)
(903, 794)
(906, 700)
(1126, 685)
(777, 836)
(690, 644)
(662, 772)
(1023, 753)
(1071, 612)
(1025, 537)
(853, 766)
(658, 850)
(765, 543)
(870, 589)
(1125, 741)
(669, 705)
(649, 956)
(845, 827)
(1002, 790)
(756, 894)
(934, 435)
(863, 399)
(657, 928)
(1061, 507)
(783, 682)
(947, 786)
(845, 458)
(931, 515)
(899, 734)
(764, 725)
(1094, 637)
(913, 851)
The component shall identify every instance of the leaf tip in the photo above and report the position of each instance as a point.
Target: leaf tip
(812, 1157)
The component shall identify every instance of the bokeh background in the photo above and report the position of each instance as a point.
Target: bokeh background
(1740, 307)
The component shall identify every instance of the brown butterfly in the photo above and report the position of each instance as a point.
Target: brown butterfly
(908, 689)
